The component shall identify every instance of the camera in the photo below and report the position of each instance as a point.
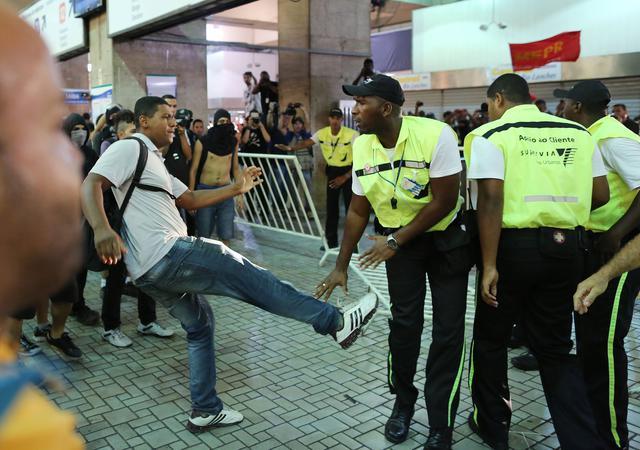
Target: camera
(184, 117)
(291, 109)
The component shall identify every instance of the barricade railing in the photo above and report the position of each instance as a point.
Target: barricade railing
(282, 201)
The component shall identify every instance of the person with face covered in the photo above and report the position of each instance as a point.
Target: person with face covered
(215, 158)
(75, 127)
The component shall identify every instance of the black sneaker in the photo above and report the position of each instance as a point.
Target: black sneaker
(40, 334)
(28, 348)
(86, 315)
(526, 362)
(65, 345)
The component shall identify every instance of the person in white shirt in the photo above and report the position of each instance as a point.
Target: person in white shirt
(175, 269)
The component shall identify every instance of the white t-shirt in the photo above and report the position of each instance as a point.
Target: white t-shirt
(622, 155)
(151, 222)
(488, 162)
(445, 160)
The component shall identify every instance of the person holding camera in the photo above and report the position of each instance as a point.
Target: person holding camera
(255, 139)
(268, 91)
(251, 99)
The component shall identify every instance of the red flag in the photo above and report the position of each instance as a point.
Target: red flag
(562, 47)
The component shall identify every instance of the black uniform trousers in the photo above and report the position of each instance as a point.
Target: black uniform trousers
(600, 338)
(333, 203)
(446, 260)
(539, 270)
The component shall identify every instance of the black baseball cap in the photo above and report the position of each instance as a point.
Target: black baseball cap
(378, 85)
(335, 112)
(589, 91)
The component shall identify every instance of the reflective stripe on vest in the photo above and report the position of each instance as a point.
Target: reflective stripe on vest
(548, 168)
(620, 196)
(337, 150)
(406, 178)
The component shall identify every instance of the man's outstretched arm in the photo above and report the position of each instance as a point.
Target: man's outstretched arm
(627, 259)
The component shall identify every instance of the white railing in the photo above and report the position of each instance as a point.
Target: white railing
(282, 201)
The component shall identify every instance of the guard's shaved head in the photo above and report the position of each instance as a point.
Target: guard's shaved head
(40, 177)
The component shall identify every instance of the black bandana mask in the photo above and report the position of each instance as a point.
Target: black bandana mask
(220, 139)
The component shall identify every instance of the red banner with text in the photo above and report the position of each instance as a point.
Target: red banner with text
(562, 47)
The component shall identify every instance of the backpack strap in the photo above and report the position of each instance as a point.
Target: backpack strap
(142, 162)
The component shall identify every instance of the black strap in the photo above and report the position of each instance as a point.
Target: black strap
(147, 187)
(142, 162)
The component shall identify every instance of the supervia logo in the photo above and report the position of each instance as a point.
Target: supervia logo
(567, 154)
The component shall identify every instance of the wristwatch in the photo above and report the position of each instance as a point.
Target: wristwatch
(392, 243)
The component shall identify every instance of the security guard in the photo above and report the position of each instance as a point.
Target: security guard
(336, 143)
(538, 178)
(600, 333)
(408, 170)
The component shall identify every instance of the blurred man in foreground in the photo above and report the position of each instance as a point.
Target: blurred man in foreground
(41, 239)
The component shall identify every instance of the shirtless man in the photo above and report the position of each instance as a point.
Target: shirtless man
(215, 156)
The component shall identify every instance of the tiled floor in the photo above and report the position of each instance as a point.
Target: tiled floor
(296, 389)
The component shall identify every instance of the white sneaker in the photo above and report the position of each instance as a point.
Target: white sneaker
(154, 329)
(355, 318)
(199, 422)
(116, 338)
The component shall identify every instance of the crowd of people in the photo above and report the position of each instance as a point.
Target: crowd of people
(552, 200)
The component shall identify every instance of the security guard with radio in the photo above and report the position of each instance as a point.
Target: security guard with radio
(336, 143)
(538, 178)
(408, 170)
(601, 332)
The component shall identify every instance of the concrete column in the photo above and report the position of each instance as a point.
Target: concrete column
(100, 52)
(293, 67)
(315, 79)
(135, 59)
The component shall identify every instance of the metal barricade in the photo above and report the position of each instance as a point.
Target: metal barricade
(282, 201)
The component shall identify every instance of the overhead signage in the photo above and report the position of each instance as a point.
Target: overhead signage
(414, 81)
(56, 22)
(561, 47)
(550, 72)
(128, 15)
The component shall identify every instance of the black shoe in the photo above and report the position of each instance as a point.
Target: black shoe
(485, 438)
(439, 439)
(397, 428)
(526, 362)
(65, 345)
(86, 315)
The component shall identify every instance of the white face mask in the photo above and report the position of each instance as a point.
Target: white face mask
(79, 137)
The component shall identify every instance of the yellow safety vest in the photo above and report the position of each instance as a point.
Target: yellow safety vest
(337, 150)
(620, 196)
(398, 190)
(548, 174)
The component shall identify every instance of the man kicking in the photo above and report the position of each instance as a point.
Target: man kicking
(175, 269)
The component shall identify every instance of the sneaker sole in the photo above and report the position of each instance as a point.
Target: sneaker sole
(114, 345)
(142, 333)
(195, 429)
(348, 342)
(39, 339)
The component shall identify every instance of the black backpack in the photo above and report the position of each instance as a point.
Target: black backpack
(114, 213)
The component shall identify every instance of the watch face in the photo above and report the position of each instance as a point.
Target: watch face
(392, 243)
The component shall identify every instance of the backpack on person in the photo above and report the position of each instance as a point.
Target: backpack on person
(115, 214)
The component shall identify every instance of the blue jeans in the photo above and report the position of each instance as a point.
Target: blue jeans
(218, 217)
(203, 266)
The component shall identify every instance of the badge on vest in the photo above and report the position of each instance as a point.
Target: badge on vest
(412, 186)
